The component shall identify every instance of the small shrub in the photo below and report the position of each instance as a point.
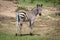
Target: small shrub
(55, 15)
(21, 8)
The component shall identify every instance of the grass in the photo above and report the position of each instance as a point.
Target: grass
(13, 37)
(27, 2)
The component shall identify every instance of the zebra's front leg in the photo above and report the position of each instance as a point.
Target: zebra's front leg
(31, 27)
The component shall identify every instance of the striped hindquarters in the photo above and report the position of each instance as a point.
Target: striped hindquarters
(22, 16)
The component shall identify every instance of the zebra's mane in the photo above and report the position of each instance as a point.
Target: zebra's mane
(32, 8)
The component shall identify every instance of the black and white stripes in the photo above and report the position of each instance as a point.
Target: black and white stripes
(21, 16)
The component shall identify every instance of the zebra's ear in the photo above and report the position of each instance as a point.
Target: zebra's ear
(38, 5)
(41, 5)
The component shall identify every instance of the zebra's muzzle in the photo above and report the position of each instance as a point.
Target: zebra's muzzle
(40, 14)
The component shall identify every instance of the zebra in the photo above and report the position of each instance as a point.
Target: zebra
(30, 16)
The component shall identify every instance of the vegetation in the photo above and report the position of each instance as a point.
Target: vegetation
(55, 2)
(34, 2)
(21, 8)
(13, 37)
(56, 15)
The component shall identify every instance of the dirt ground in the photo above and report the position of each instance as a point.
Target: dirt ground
(7, 8)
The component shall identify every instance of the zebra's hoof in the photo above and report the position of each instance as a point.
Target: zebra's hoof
(20, 34)
(31, 34)
(16, 34)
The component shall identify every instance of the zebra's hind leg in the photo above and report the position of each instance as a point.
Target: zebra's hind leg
(21, 28)
(16, 27)
(17, 23)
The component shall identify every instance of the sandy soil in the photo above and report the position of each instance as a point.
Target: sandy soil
(7, 8)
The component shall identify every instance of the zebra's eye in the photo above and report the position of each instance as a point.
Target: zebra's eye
(22, 17)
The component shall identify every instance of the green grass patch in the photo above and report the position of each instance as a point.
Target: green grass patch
(28, 2)
(13, 37)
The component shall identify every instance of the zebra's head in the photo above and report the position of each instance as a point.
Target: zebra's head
(39, 9)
